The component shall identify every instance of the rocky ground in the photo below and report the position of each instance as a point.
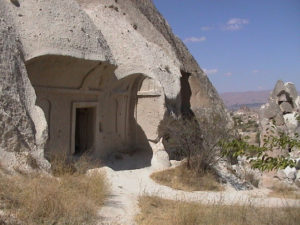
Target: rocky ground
(247, 124)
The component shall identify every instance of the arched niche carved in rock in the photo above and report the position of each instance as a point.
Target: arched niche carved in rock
(149, 108)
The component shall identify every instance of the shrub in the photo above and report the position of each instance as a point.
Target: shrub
(259, 156)
(195, 139)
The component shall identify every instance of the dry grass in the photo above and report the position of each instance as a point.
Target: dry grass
(71, 198)
(61, 164)
(182, 178)
(250, 177)
(159, 211)
(283, 191)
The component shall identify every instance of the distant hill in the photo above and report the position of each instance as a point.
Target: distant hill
(252, 99)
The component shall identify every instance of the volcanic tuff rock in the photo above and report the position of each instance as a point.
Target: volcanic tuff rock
(160, 159)
(151, 48)
(22, 124)
(281, 115)
(130, 35)
(282, 108)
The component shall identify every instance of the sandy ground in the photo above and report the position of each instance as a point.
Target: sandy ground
(128, 184)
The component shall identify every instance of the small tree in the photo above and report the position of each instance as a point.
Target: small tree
(196, 139)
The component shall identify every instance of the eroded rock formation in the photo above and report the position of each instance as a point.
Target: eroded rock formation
(281, 116)
(281, 112)
(22, 124)
(93, 76)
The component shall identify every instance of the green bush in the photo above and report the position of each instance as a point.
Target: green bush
(259, 156)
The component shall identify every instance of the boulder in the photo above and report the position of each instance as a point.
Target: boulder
(286, 107)
(279, 87)
(282, 98)
(280, 175)
(290, 173)
(160, 159)
(297, 103)
(281, 110)
(291, 90)
(295, 154)
(291, 122)
(270, 110)
(279, 120)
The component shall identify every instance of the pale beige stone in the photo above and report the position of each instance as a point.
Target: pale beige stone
(102, 76)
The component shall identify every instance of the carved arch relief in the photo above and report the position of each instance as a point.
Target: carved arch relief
(149, 109)
(93, 79)
(149, 86)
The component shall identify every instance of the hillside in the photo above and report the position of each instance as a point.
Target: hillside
(250, 98)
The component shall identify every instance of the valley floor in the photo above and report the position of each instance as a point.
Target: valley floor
(128, 185)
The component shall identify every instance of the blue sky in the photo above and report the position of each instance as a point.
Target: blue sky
(241, 44)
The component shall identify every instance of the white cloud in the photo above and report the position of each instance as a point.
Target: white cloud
(194, 39)
(206, 28)
(235, 24)
(228, 74)
(210, 71)
(260, 87)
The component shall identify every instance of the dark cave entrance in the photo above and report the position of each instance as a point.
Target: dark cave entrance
(185, 94)
(84, 129)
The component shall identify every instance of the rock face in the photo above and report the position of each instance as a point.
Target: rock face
(281, 115)
(282, 110)
(94, 76)
(22, 124)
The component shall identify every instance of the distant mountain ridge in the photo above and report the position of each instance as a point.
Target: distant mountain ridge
(252, 99)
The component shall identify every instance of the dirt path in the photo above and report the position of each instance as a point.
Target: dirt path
(127, 185)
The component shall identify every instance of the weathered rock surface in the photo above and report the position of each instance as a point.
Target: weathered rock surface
(286, 107)
(271, 111)
(290, 173)
(297, 102)
(291, 90)
(154, 50)
(60, 28)
(282, 108)
(291, 122)
(130, 36)
(279, 87)
(22, 124)
(160, 159)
